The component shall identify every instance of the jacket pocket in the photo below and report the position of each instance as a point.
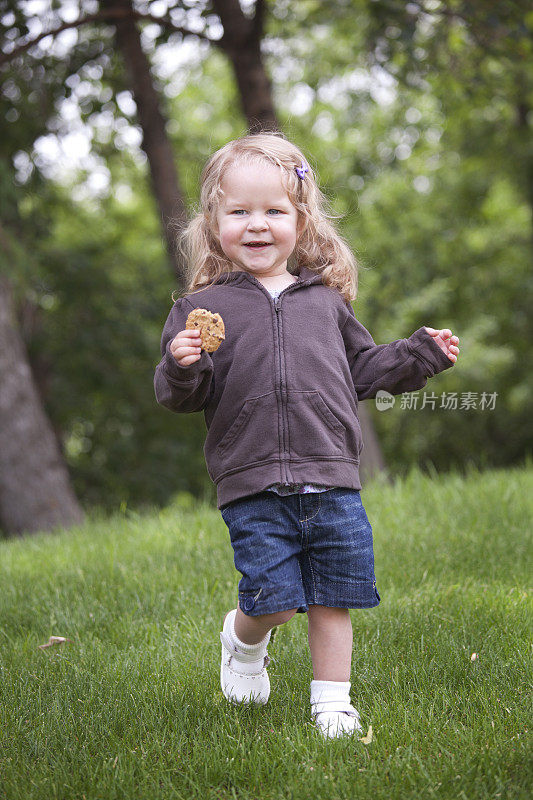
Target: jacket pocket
(251, 437)
(238, 425)
(314, 429)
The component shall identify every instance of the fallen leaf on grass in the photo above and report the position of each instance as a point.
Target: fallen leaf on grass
(368, 738)
(53, 640)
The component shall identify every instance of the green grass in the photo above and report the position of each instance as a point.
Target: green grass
(132, 707)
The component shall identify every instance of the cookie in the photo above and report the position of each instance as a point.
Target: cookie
(211, 327)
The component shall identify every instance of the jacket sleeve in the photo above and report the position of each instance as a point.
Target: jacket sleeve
(182, 389)
(401, 366)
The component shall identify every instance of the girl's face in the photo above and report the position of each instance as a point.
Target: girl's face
(257, 223)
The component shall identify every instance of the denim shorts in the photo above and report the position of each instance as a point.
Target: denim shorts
(299, 550)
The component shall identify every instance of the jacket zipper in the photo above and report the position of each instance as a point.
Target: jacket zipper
(286, 477)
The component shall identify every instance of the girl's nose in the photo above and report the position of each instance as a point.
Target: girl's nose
(257, 222)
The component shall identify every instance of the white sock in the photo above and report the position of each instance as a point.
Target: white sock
(249, 649)
(259, 650)
(324, 696)
(326, 691)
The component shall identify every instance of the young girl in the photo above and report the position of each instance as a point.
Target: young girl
(280, 398)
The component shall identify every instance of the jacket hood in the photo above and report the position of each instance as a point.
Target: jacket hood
(305, 276)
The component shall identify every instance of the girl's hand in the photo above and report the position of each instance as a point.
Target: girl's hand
(446, 341)
(186, 347)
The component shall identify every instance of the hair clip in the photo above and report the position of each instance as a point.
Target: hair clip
(300, 171)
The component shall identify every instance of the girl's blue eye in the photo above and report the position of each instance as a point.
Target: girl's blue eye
(274, 211)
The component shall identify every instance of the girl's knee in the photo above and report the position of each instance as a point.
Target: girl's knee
(285, 616)
(279, 617)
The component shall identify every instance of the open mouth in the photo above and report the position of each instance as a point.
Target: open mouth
(257, 245)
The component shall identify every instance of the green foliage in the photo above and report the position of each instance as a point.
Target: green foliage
(132, 706)
(96, 285)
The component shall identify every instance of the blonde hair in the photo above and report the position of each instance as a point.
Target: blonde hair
(319, 246)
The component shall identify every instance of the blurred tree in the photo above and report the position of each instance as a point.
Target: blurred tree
(155, 142)
(240, 41)
(472, 55)
(35, 490)
(475, 60)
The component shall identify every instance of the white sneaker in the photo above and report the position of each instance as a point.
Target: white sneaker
(336, 720)
(243, 677)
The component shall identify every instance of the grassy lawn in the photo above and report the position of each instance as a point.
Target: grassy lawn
(132, 706)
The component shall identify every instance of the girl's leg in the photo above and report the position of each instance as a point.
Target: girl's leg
(243, 674)
(252, 630)
(331, 641)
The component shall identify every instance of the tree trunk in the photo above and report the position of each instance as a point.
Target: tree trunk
(35, 490)
(155, 142)
(242, 44)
